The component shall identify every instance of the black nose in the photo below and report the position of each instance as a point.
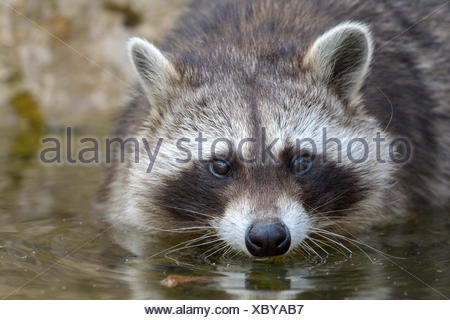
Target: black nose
(264, 240)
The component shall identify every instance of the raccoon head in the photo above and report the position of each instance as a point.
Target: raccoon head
(256, 152)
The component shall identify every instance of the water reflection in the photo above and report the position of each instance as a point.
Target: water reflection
(55, 245)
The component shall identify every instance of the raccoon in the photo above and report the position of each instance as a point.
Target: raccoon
(226, 97)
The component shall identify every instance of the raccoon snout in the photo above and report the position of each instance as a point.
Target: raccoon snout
(265, 240)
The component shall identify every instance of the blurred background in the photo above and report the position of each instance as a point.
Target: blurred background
(63, 63)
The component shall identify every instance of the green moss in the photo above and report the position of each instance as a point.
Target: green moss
(131, 18)
(28, 109)
(27, 143)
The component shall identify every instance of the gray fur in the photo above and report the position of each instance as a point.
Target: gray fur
(233, 67)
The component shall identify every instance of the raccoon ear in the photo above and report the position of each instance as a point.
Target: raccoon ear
(155, 71)
(341, 58)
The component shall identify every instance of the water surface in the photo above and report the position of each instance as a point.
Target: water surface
(54, 245)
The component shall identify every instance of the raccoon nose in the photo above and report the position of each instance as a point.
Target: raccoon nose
(264, 240)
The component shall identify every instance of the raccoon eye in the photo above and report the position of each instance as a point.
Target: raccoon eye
(301, 164)
(220, 168)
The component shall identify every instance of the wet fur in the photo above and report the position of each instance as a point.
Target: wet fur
(242, 66)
